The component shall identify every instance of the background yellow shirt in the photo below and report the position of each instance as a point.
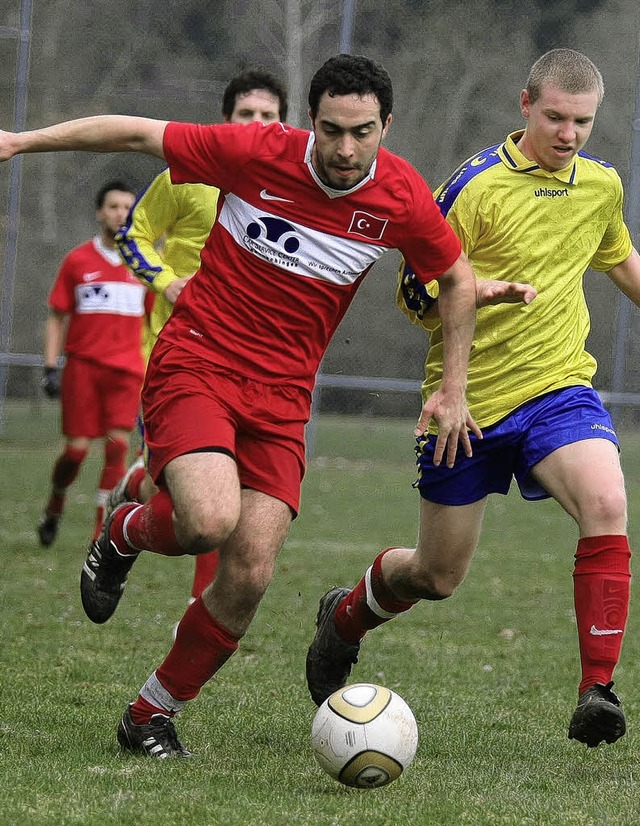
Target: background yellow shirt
(180, 215)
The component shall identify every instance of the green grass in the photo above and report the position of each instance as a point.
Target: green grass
(491, 673)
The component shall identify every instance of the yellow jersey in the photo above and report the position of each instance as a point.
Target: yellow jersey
(518, 222)
(182, 215)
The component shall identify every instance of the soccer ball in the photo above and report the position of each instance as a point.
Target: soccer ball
(364, 735)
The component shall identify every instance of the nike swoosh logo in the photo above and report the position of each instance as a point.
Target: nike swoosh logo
(597, 632)
(266, 196)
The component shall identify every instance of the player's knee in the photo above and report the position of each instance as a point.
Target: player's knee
(609, 510)
(437, 586)
(203, 530)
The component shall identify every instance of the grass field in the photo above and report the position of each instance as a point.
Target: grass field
(491, 674)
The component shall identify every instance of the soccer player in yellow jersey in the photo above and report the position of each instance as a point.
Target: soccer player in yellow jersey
(180, 216)
(536, 208)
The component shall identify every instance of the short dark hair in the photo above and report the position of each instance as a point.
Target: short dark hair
(117, 185)
(249, 80)
(347, 74)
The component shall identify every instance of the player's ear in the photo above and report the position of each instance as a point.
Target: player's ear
(387, 124)
(525, 103)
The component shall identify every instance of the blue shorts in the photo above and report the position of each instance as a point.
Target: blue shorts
(513, 446)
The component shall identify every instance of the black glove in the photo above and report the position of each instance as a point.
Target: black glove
(51, 382)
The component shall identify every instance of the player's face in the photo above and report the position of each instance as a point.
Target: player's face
(558, 126)
(348, 133)
(258, 104)
(113, 212)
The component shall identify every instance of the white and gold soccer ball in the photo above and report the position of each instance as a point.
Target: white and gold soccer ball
(364, 735)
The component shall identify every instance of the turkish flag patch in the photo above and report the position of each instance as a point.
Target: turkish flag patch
(367, 225)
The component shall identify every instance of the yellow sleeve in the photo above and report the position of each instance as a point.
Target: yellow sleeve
(616, 244)
(151, 217)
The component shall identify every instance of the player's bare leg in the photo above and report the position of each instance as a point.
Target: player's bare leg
(204, 506)
(211, 628)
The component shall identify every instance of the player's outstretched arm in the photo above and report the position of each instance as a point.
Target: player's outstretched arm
(626, 277)
(101, 133)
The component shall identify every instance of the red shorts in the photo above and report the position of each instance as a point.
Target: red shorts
(96, 399)
(190, 405)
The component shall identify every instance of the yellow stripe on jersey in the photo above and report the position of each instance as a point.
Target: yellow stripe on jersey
(180, 215)
(518, 222)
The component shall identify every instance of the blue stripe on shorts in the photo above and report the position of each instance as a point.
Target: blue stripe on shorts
(513, 446)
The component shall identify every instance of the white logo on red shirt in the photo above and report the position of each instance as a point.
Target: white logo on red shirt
(267, 196)
(91, 276)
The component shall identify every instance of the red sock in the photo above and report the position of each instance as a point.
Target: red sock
(114, 467)
(147, 527)
(205, 571)
(64, 473)
(142, 711)
(201, 648)
(369, 604)
(99, 520)
(134, 482)
(601, 580)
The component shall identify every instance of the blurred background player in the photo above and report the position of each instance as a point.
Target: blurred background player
(180, 217)
(96, 311)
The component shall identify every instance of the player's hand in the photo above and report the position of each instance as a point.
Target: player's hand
(174, 289)
(50, 382)
(449, 411)
(489, 292)
(6, 145)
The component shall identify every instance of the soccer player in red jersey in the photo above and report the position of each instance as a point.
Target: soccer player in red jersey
(302, 217)
(96, 309)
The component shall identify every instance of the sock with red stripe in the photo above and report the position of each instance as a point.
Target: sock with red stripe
(601, 584)
(369, 604)
(202, 646)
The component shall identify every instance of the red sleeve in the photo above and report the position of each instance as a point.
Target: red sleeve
(432, 246)
(209, 154)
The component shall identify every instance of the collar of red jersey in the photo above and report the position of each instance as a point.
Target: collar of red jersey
(512, 157)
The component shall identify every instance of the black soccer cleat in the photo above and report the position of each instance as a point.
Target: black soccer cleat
(157, 738)
(330, 658)
(597, 717)
(48, 528)
(104, 574)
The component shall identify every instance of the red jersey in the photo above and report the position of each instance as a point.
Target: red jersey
(105, 304)
(287, 253)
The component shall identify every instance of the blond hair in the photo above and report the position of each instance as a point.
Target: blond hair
(567, 70)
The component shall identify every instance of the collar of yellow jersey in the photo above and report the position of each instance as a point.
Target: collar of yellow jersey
(512, 157)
